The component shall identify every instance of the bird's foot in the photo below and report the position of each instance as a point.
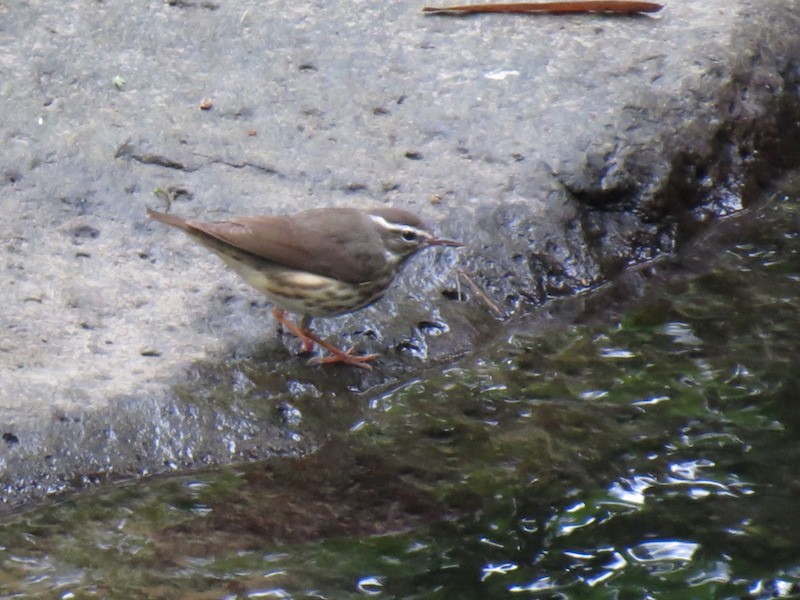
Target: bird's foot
(337, 354)
(345, 356)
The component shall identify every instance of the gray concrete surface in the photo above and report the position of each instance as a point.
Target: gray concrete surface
(560, 149)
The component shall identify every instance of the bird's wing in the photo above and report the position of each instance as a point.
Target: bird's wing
(328, 242)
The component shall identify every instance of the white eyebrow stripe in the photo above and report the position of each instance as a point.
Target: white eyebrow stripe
(393, 227)
(384, 223)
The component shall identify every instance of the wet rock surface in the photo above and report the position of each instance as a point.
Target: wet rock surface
(561, 150)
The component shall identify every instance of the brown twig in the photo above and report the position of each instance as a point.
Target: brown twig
(619, 7)
(481, 295)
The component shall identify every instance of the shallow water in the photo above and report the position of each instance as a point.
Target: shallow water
(651, 452)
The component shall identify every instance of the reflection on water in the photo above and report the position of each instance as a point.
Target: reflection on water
(635, 459)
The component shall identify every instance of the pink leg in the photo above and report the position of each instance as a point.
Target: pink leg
(280, 317)
(309, 339)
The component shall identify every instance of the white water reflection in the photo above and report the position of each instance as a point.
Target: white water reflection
(616, 353)
(501, 569)
(681, 333)
(631, 490)
(777, 588)
(717, 572)
(540, 585)
(663, 551)
(689, 469)
(372, 585)
(651, 401)
(694, 477)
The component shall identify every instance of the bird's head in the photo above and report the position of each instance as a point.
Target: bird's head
(403, 233)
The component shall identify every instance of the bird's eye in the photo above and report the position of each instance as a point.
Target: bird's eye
(409, 235)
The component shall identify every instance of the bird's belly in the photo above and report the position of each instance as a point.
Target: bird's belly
(307, 293)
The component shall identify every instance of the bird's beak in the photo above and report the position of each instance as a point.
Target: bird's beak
(442, 242)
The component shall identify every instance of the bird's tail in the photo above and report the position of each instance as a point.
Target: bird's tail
(168, 219)
(196, 232)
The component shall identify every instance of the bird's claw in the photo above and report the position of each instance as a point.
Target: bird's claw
(347, 357)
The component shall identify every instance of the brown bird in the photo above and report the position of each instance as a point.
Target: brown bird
(317, 263)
